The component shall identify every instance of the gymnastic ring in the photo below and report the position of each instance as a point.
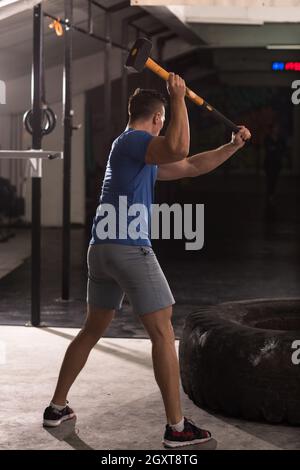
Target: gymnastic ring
(48, 121)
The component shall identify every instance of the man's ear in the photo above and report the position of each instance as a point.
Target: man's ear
(156, 118)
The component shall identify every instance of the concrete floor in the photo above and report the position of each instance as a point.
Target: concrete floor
(116, 399)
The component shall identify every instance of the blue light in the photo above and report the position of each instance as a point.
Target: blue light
(278, 66)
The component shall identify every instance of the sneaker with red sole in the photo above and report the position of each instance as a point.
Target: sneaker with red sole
(190, 435)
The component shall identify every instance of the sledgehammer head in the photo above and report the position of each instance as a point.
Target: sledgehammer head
(139, 54)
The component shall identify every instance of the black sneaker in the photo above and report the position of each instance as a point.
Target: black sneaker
(54, 417)
(190, 435)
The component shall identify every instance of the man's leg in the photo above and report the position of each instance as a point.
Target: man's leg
(165, 362)
(78, 351)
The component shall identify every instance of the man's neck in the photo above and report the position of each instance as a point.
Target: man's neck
(140, 126)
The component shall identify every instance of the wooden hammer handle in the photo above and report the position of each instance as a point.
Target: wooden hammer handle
(161, 72)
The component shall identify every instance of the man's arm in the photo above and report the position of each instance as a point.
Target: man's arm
(204, 162)
(175, 144)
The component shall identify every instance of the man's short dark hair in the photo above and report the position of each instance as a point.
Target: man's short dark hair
(144, 103)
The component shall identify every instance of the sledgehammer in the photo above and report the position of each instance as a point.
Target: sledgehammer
(139, 57)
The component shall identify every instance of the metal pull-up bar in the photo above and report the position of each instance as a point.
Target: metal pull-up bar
(66, 23)
(33, 153)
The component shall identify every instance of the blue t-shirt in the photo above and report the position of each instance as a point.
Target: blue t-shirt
(124, 212)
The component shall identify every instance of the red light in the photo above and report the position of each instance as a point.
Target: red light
(294, 66)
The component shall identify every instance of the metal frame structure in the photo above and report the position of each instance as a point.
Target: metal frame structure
(68, 130)
(31, 154)
(35, 156)
(88, 32)
(36, 87)
(107, 82)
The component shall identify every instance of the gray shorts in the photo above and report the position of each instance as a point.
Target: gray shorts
(115, 270)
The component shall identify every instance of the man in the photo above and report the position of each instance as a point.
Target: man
(122, 263)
